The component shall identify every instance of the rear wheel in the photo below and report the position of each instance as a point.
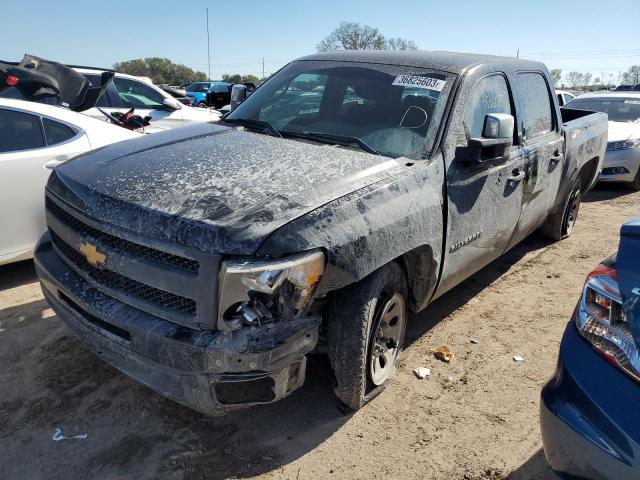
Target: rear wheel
(635, 185)
(201, 104)
(366, 329)
(560, 223)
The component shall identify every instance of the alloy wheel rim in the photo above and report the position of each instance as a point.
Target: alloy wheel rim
(386, 347)
(572, 214)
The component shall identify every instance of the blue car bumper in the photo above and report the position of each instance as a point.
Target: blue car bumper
(590, 416)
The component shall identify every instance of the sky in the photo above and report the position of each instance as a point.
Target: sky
(587, 35)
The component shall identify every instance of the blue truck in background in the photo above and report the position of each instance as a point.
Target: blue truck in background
(209, 94)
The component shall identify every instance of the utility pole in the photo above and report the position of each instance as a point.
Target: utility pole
(262, 68)
(518, 54)
(208, 49)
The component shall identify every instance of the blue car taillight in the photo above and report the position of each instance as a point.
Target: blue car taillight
(601, 321)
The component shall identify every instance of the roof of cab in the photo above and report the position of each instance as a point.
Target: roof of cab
(453, 62)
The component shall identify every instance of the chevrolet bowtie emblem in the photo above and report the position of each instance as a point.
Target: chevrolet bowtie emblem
(91, 253)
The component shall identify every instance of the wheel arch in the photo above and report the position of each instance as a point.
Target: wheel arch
(421, 270)
(588, 174)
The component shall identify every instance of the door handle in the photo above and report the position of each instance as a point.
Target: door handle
(556, 157)
(516, 175)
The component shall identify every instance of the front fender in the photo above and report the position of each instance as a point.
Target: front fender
(371, 227)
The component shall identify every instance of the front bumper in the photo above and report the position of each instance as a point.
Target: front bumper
(210, 371)
(627, 160)
(589, 415)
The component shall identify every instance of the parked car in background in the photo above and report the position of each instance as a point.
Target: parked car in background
(589, 409)
(622, 160)
(197, 91)
(34, 139)
(127, 91)
(219, 95)
(177, 93)
(349, 189)
(564, 97)
(628, 88)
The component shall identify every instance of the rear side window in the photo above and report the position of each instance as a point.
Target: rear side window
(490, 95)
(536, 118)
(56, 132)
(19, 131)
(136, 94)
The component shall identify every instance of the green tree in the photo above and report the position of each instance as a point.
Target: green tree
(556, 76)
(632, 75)
(237, 78)
(160, 70)
(354, 36)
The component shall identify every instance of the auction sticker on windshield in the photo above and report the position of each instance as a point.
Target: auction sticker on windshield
(420, 82)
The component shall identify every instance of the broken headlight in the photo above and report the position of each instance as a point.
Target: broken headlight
(253, 293)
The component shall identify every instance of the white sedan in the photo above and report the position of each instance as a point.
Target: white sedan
(34, 138)
(622, 159)
(127, 91)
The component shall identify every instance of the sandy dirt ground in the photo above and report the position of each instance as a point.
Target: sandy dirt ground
(475, 418)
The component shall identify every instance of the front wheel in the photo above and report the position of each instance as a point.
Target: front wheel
(366, 329)
(201, 105)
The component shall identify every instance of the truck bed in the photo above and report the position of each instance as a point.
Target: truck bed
(586, 139)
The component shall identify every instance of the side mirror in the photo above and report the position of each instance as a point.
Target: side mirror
(498, 125)
(496, 140)
(238, 95)
(171, 104)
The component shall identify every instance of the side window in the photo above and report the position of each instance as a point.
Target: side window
(19, 131)
(56, 132)
(536, 118)
(136, 94)
(490, 95)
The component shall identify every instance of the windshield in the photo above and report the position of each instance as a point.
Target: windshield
(394, 110)
(619, 109)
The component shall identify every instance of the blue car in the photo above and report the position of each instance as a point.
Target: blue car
(590, 409)
(209, 94)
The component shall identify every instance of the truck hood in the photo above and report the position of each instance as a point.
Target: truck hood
(211, 187)
(621, 131)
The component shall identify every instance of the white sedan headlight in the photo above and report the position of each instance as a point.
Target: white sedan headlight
(625, 145)
(252, 293)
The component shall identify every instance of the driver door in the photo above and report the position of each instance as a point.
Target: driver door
(485, 196)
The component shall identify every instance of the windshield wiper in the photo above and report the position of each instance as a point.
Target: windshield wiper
(256, 124)
(332, 138)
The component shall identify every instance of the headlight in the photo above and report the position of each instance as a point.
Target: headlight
(252, 293)
(627, 144)
(601, 321)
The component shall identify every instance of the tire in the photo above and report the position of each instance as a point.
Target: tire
(560, 223)
(366, 330)
(201, 105)
(635, 184)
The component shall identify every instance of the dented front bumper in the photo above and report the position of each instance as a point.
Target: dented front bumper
(210, 371)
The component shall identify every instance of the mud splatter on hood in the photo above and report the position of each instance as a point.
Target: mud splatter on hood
(211, 187)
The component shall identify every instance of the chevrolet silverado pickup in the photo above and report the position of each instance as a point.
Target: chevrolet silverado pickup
(207, 262)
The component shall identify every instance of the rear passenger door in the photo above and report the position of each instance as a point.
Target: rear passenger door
(484, 197)
(543, 150)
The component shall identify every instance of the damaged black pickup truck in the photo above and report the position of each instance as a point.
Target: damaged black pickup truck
(346, 191)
